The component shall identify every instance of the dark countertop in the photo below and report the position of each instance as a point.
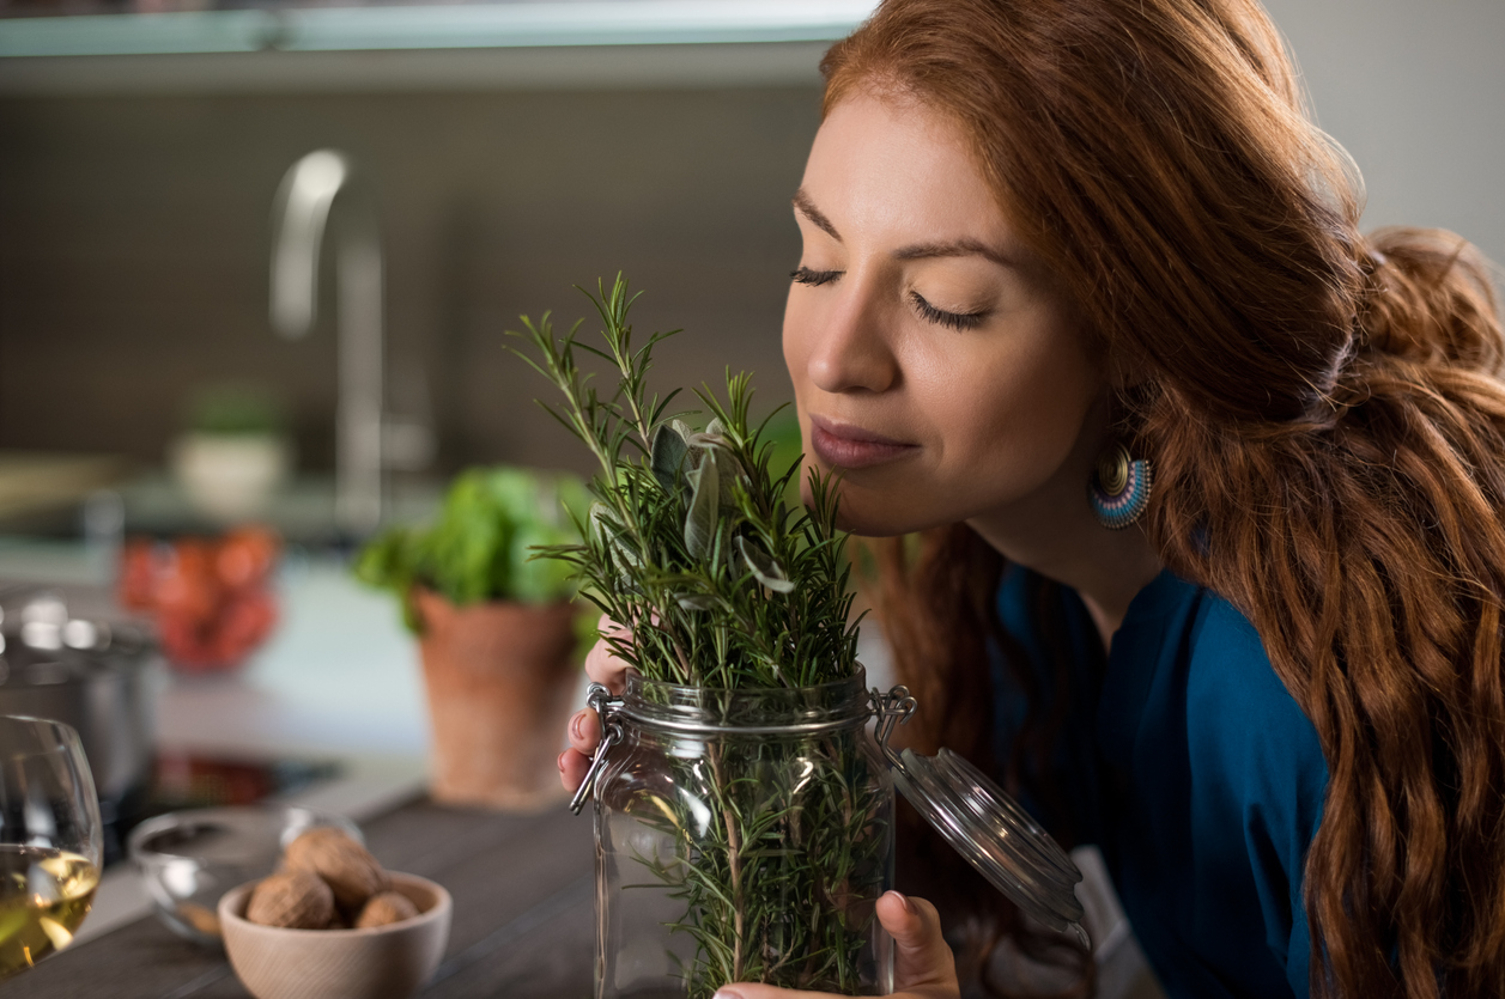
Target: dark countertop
(524, 926)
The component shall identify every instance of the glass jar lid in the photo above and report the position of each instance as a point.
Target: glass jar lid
(983, 824)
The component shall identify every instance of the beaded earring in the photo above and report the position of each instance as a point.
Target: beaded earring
(1120, 488)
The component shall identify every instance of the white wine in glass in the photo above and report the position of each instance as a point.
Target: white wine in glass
(50, 840)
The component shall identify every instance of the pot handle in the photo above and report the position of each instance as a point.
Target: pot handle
(606, 707)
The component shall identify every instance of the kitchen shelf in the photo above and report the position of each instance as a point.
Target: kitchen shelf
(464, 26)
(592, 42)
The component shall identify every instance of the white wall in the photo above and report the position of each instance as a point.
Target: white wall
(1415, 90)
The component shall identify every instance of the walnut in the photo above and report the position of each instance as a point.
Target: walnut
(386, 907)
(351, 873)
(295, 899)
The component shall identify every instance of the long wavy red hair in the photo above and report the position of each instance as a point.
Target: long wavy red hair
(1324, 411)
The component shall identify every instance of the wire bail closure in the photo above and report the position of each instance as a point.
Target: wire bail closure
(893, 709)
(607, 708)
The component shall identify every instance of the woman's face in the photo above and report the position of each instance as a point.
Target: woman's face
(934, 366)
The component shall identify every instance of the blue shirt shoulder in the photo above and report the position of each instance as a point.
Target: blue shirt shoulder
(1193, 768)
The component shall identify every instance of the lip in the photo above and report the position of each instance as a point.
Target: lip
(842, 445)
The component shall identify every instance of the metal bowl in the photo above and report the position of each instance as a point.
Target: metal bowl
(91, 674)
(189, 859)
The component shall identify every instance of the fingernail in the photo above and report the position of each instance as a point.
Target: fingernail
(726, 994)
(904, 901)
(577, 725)
(560, 761)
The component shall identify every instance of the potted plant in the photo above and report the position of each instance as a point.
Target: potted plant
(497, 630)
(743, 814)
(235, 454)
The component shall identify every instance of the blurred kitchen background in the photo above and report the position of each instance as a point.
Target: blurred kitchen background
(505, 152)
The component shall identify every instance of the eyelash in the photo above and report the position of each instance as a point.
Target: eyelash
(958, 321)
(804, 275)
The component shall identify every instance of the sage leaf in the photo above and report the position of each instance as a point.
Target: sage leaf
(700, 522)
(669, 450)
(604, 528)
(600, 518)
(767, 571)
(697, 601)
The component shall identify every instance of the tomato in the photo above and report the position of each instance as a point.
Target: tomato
(210, 598)
(246, 557)
(188, 585)
(138, 575)
(243, 624)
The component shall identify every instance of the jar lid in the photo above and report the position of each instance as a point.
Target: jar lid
(985, 825)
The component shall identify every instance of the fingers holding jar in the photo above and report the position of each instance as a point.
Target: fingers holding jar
(602, 664)
(584, 729)
(584, 733)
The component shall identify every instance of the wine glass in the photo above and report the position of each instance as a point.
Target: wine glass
(51, 843)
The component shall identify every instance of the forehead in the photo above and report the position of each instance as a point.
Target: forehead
(891, 165)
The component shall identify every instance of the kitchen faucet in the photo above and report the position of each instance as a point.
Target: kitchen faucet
(367, 440)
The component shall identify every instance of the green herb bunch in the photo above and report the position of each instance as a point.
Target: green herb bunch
(691, 543)
(481, 546)
(776, 845)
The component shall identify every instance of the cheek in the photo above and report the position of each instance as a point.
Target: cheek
(794, 353)
(1010, 423)
(806, 317)
(798, 342)
(796, 346)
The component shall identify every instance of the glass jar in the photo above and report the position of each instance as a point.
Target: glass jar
(745, 835)
(741, 835)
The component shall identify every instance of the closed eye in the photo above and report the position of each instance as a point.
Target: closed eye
(951, 320)
(804, 275)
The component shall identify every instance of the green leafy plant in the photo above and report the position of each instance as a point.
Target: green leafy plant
(725, 584)
(483, 544)
(236, 409)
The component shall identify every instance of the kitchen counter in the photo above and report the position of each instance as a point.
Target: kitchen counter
(523, 889)
(337, 681)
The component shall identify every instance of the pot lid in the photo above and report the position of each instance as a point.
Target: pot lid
(984, 824)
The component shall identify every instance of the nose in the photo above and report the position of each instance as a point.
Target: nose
(851, 349)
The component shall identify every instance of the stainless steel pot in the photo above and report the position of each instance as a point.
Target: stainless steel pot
(91, 674)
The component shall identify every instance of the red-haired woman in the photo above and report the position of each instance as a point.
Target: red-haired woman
(1209, 484)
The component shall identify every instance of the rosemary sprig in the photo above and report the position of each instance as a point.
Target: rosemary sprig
(724, 586)
(690, 542)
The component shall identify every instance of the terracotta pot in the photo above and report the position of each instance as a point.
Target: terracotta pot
(500, 678)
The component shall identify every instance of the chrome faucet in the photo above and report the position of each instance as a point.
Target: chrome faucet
(367, 440)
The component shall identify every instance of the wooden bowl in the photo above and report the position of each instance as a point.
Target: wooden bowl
(384, 962)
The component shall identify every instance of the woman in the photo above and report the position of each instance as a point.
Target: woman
(1076, 265)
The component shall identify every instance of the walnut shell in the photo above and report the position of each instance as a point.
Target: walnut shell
(386, 907)
(295, 899)
(351, 872)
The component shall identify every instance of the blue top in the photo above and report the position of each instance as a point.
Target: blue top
(1189, 764)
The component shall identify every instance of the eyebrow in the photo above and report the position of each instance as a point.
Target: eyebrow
(806, 207)
(920, 251)
(955, 248)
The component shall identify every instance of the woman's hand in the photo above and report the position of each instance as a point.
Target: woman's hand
(584, 728)
(924, 967)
